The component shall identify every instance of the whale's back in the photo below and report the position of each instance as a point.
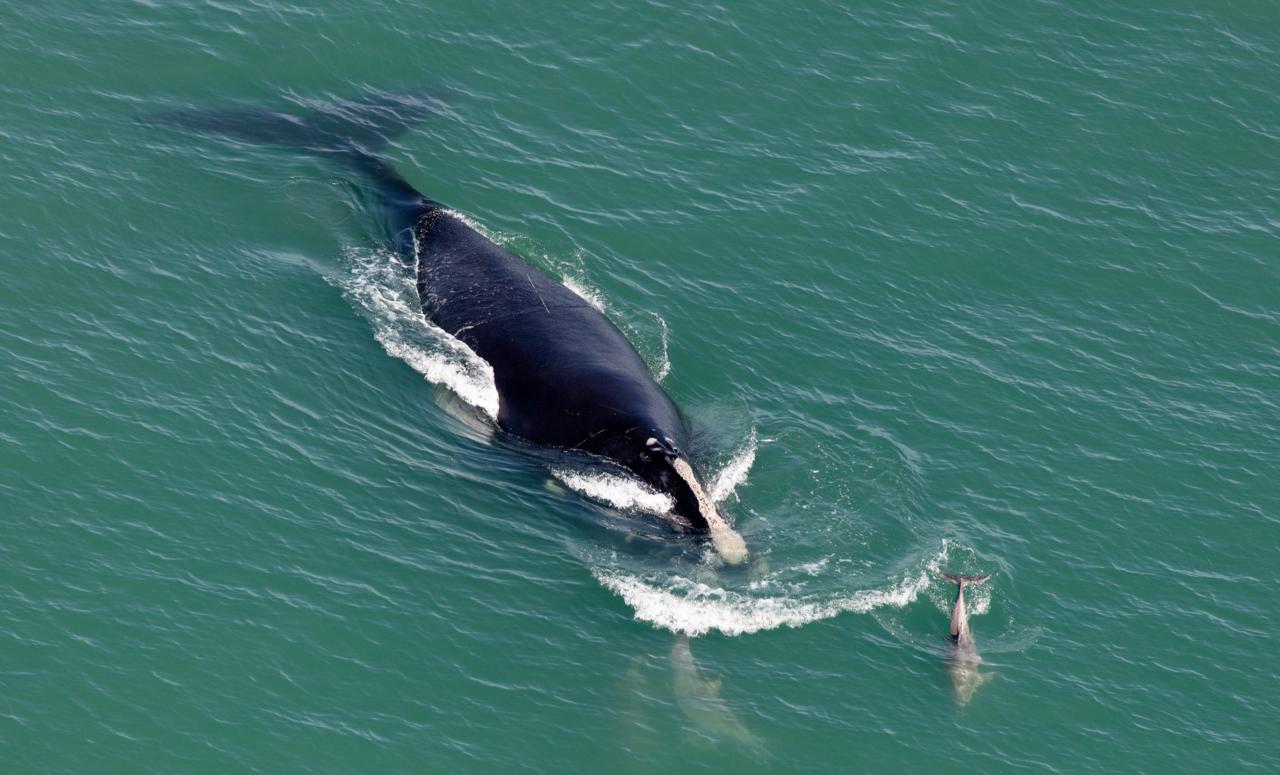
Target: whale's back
(560, 365)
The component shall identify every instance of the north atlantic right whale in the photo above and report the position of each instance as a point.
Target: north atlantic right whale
(566, 376)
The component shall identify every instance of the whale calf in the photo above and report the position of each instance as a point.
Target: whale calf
(566, 375)
(700, 701)
(962, 658)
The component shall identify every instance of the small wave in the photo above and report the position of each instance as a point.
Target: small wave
(693, 608)
(735, 471)
(663, 367)
(978, 600)
(484, 231)
(588, 294)
(619, 491)
(381, 287)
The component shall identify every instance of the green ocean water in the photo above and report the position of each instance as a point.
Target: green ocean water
(949, 286)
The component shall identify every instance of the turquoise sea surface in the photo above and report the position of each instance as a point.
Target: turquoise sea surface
(966, 287)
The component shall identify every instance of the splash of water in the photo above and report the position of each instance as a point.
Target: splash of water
(621, 492)
(664, 360)
(693, 608)
(977, 597)
(381, 288)
(734, 473)
(584, 291)
(626, 492)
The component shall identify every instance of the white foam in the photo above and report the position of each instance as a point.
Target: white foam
(813, 568)
(735, 471)
(621, 492)
(480, 228)
(691, 608)
(588, 294)
(389, 298)
(695, 607)
(663, 367)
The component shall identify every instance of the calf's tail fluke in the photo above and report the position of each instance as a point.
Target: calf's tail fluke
(962, 581)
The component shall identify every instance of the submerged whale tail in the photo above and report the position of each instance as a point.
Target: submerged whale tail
(336, 126)
(352, 132)
(962, 581)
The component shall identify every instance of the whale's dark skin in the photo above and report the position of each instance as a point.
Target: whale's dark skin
(566, 376)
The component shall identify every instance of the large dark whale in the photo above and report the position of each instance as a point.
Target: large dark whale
(566, 376)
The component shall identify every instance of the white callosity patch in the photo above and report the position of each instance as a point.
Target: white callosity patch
(729, 545)
(388, 296)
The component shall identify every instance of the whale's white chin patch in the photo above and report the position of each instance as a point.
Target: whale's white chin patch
(729, 545)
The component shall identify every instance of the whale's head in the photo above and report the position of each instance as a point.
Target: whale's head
(660, 463)
(657, 458)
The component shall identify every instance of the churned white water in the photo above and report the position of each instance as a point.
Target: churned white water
(663, 366)
(734, 473)
(621, 492)
(386, 293)
(691, 607)
(586, 292)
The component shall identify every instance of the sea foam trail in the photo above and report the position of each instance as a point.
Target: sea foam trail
(692, 608)
(389, 298)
